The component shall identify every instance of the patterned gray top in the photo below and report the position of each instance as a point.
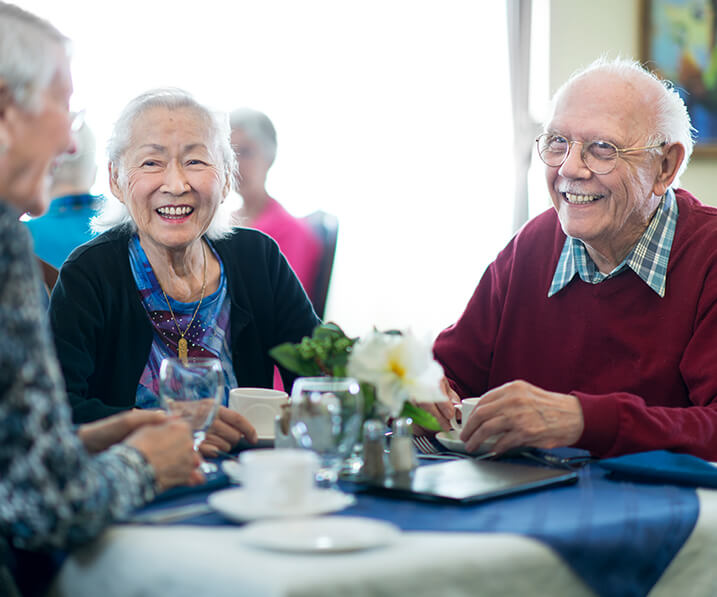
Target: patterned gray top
(52, 492)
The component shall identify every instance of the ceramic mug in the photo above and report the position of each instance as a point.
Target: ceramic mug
(259, 406)
(278, 477)
(466, 408)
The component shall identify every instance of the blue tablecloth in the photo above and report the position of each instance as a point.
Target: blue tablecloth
(618, 536)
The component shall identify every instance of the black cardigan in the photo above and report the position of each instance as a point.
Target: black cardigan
(103, 334)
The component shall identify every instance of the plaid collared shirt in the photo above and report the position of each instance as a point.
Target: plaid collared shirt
(648, 258)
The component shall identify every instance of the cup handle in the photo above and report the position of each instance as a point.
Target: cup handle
(458, 426)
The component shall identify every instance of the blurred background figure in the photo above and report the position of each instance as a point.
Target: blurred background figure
(254, 142)
(66, 224)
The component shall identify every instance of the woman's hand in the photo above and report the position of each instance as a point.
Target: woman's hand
(169, 449)
(228, 428)
(102, 434)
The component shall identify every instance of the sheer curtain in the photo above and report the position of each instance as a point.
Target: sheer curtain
(394, 115)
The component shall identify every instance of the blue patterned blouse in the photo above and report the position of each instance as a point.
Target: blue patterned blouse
(208, 335)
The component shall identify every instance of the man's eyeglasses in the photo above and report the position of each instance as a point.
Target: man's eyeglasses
(600, 157)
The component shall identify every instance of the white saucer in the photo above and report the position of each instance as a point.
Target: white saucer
(451, 441)
(321, 535)
(238, 505)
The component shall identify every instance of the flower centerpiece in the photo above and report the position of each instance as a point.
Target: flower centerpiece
(396, 371)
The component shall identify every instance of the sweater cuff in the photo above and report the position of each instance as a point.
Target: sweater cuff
(146, 477)
(600, 422)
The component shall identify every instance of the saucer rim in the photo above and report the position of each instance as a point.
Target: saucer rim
(338, 500)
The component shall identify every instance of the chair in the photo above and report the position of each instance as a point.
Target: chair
(49, 274)
(326, 228)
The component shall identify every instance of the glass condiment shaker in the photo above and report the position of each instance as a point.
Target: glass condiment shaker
(374, 444)
(403, 453)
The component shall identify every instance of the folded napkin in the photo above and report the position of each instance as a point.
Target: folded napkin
(662, 466)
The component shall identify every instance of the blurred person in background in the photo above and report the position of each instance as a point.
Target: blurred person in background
(59, 486)
(254, 142)
(66, 224)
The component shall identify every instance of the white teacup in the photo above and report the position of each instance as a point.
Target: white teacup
(259, 406)
(466, 407)
(278, 477)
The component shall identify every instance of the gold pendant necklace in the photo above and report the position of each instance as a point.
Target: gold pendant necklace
(182, 348)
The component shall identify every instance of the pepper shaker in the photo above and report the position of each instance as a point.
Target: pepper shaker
(373, 449)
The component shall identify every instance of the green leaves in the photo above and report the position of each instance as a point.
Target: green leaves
(420, 416)
(326, 352)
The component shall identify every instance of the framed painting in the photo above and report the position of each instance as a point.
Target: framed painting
(678, 43)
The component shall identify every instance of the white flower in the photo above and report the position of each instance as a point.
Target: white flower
(399, 366)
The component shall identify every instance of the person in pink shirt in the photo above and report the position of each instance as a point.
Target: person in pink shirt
(254, 141)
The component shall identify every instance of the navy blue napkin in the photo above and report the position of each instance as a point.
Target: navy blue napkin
(660, 466)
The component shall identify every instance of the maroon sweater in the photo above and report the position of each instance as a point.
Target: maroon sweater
(643, 367)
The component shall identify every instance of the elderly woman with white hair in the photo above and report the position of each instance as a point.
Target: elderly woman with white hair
(171, 277)
(58, 486)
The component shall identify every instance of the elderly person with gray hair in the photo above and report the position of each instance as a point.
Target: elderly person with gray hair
(66, 224)
(254, 141)
(595, 327)
(58, 486)
(170, 276)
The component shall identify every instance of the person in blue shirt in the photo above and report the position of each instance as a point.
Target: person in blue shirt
(66, 224)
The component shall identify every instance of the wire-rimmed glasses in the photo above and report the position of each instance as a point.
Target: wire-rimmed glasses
(600, 157)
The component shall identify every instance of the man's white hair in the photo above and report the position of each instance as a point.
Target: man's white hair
(77, 169)
(26, 41)
(115, 213)
(672, 121)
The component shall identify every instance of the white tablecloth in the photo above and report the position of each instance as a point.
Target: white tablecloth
(192, 561)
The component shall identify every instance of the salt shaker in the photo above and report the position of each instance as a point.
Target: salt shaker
(403, 454)
(373, 449)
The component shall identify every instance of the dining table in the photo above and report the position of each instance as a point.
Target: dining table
(610, 533)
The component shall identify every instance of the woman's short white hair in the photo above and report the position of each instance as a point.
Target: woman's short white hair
(672, 121)
(26, 44)
(113, 212)
(258, 127)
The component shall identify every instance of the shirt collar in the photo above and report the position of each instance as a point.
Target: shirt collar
(648, 258)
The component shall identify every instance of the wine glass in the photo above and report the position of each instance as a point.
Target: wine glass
(192, 389)
(326, 416)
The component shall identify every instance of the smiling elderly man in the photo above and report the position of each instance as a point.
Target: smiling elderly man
(596, 326)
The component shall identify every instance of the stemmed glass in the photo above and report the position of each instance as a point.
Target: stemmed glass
(193, 389)
(326, 416)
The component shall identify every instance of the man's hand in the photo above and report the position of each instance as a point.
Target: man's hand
(102, 434)
(525, 415)
(228, 428)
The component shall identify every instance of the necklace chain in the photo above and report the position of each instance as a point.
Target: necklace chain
(182, 348)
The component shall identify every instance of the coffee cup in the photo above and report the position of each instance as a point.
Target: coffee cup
(279, 477)
(259, 406)
(465, 407)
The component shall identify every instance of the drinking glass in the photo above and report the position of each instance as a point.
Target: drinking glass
(326, 417)
(193, 389)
